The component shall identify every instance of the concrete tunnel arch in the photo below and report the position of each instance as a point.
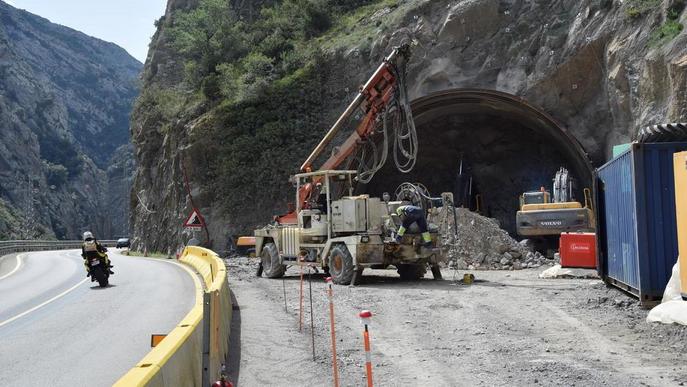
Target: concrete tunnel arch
(508, 145)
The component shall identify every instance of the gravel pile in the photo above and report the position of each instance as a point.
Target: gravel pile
(481, 244)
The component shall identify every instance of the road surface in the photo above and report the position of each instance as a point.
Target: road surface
(58, 328)
(509, 328)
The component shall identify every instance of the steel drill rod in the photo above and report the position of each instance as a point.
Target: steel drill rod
(347, 113)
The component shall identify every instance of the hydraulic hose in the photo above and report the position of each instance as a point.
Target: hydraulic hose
(405, 141)
(366, 171)
(405, 133)
(416, 193)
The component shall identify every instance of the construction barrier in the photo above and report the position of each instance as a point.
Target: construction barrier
(218, 298)
(195, 349)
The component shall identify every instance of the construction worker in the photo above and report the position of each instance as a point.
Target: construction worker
(90, 249)
(412, 214)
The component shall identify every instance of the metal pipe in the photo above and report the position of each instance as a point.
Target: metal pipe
(347, 113)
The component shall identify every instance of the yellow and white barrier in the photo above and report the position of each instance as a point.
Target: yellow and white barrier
(178, 359)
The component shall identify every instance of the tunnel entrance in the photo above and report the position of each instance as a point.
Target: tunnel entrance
(506, 146)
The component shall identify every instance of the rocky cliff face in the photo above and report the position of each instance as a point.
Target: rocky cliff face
(65, 100)
(599, 69)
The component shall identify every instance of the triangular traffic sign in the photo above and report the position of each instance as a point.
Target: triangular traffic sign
(195, 220)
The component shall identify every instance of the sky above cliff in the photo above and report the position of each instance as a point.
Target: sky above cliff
(127, 23)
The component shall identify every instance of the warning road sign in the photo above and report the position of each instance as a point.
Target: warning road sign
(195, 220)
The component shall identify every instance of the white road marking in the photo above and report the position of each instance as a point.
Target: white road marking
(19, 258)
(20, 315)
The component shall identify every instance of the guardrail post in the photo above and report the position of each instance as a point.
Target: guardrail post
(206, 339)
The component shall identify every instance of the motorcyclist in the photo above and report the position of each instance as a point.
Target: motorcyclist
(91, 249)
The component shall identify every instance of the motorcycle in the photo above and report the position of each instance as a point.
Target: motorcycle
(99, 270)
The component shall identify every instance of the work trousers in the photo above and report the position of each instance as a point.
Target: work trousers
(415, 216)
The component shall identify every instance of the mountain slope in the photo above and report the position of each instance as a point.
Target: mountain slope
(236, 94)
(65, 100)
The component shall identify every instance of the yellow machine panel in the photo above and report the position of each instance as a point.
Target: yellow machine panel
(680, 167)
(550, 206)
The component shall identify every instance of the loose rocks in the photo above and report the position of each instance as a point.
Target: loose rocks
(481, 244)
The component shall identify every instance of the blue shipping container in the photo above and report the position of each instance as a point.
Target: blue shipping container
(637, 226)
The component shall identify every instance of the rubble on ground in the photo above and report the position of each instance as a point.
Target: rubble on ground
(481, 244)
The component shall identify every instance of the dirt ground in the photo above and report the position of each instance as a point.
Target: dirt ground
(508, 328)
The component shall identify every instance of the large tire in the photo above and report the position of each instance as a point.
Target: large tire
(676, 132)
(100, 276)
(341, 265)
(409, 272)
(270, 262)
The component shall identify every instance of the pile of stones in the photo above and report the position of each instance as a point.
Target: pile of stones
(481, 244)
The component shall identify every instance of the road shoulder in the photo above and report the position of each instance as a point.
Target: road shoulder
(9, 264)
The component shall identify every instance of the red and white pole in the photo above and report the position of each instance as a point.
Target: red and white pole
(330, 295)
(365, 317)
(300, 310)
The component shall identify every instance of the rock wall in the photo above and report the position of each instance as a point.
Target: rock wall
(158, 198)
(588, 64)
(65, 100)
(599, 67)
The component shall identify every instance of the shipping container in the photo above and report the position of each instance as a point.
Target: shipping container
(620, 149)
(637, 234)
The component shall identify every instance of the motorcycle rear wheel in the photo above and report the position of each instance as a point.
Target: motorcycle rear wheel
(100, 276)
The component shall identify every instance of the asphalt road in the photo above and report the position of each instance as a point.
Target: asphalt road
(58, 328)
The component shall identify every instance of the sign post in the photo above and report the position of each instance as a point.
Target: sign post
(195, 221)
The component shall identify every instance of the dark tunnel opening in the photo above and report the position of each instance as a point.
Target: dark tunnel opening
(505, 144)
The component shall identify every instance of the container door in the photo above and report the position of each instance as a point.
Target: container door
(599, 211)
(620, 220)
(657, 226)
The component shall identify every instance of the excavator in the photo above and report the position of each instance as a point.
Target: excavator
(541, 216)
(343, 233)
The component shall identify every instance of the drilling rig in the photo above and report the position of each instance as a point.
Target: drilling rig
(343, 233)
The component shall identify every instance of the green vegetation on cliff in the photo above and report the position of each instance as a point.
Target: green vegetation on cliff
(637, 8)
(9, 224)
(668, 30)
(262, 73)
(230, 56)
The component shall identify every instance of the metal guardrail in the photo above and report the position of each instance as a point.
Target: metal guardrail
(8, 247)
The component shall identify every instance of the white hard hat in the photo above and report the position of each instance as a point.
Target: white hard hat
(88, 235)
